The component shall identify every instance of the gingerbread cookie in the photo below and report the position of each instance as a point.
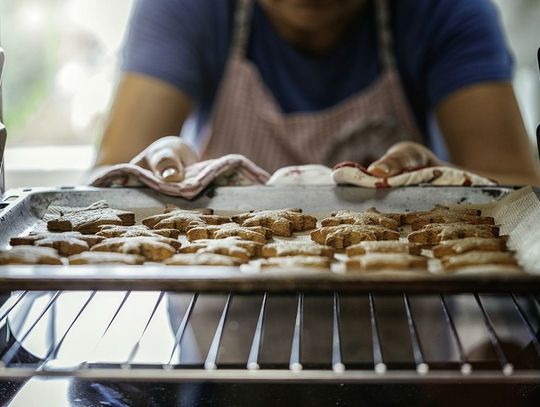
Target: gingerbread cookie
(109, 231)
(183, 220)
(30, 255)
(233, 246)
(435, 233)
(283, 249)
(438, 217)
(292, 262)
(253, 233)
(460, 246)
(439, 210)
(370, 217)
(105, 258)
(151, 248)
(342, 236)
(66, 243)
(203, 211)
(390, 246)
(87, 220)
(479, 259)
(281, 222)
(202, 259)
(386, 261)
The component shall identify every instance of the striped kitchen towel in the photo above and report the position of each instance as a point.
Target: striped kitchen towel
(231, 170)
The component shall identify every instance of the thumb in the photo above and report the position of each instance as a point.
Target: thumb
(166, 165)
(401, 157)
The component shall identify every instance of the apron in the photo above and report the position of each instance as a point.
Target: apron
(248, 120)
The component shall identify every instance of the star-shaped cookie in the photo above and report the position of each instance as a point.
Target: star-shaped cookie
(201, 259)
(292, 262)
(233, 246)
(151, 248)
(66, 243)
(439, 210)
(342, 236)
(183, 220)
(386, 261)
(105, 258)
(477, 258)
(282, 249)
(435, 233)
(253, 233)
(109, 231)
(388, 246)
(86, 220)
(282, 222)
(30, 255)
(468, 244)
(370, 217)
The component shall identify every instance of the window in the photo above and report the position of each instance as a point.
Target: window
(61, 63)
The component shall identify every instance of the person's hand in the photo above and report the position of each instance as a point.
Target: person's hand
(402, 156)
(167, 158)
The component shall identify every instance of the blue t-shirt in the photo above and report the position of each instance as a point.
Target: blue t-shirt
(440, 47)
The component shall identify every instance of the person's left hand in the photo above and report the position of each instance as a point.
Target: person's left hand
(402, 156)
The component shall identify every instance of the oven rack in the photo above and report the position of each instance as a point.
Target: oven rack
(336, 337)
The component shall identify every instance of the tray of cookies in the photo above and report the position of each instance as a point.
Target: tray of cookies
(424, 239)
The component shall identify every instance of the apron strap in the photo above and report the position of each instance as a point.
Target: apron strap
(384, 35)
(242, 26)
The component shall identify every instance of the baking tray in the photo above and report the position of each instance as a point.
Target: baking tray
(25, 208)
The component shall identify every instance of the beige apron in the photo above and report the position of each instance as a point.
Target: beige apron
(248, 120)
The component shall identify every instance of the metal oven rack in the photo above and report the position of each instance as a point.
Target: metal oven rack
(269, 337)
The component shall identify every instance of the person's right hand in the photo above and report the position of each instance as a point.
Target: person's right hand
(167, 158)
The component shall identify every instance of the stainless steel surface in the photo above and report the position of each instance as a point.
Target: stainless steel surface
(333, 338)
(27, 209)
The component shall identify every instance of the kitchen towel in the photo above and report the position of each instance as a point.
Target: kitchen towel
(237, 170)
(354, 174)
(230, 170)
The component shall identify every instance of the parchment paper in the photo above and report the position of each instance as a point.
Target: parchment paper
(518, 215)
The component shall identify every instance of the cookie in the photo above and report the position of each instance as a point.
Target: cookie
(202, 259)
(435, 233)
(233, 246)
(342, 236)
(438, 217)
(439, 210)
(291, 262)
(370, 217)
(109, 231)
(386, 261)
(283, 249)
(87, 220)
(460, 246)
(30, 255)
(390, 246)
(151, 248)
(281, 222)
(253, 233)
(66, 243)
(105, 258)
(476, 258)
(203, 211)
(183, 220)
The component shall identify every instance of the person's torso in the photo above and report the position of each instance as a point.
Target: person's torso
(300, 82)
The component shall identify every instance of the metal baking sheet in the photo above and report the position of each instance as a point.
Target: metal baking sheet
(27, 207)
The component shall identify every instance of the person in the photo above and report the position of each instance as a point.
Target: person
(390, 84)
